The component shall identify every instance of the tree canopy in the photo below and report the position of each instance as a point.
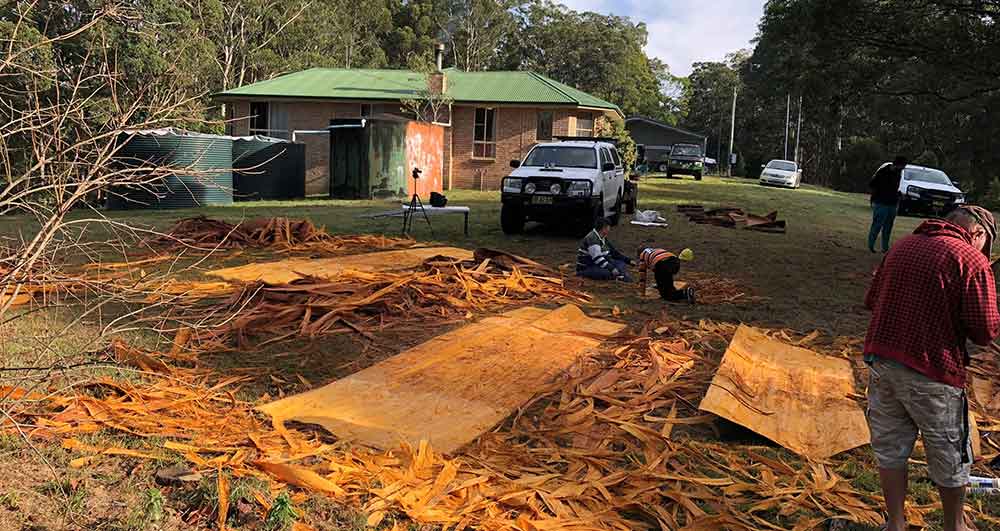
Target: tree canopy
(914, 77)
(208, 46)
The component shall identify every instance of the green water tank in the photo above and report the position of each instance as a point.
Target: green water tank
(268, 168)
(202, 163)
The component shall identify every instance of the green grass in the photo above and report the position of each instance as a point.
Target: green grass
(282, 514)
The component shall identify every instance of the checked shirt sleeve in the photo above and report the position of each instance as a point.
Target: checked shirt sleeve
(979, 307)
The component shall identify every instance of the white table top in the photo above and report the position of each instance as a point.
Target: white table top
(429, 209)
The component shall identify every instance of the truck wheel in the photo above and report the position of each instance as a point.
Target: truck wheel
(633, 201)
(587, 223)
(511, 219)
(663, 168)
(697, 176)
(617, 216)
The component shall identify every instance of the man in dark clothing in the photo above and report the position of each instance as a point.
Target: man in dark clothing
(885, 200)
(597, 259)
(933, 291)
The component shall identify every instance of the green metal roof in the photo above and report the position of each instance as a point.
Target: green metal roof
(463, 87)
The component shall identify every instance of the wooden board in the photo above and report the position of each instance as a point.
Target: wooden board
(452, 388)
(791, 395)
(286, 271)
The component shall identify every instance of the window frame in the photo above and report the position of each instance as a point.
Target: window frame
(266, 117)
(538, 125)
(593, 124)
(489, 135)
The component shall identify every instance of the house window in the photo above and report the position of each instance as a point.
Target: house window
(269, 119)
(544, 131)
(585, 124)
(484, 141)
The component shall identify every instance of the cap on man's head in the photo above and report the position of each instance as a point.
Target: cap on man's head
(985, 219)
(601, 223)
(900, 160)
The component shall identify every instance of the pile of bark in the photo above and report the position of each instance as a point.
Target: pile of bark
(206, 234)
(616, 443)
(732, 218)
(442, 289)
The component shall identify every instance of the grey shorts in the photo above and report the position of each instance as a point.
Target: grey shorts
(901, 403)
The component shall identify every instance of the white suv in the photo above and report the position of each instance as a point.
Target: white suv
(580, 180)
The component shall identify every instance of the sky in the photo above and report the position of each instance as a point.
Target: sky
(682, 32)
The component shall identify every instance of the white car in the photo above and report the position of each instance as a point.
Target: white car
(926, 190)
(781, 173)
(558, 181)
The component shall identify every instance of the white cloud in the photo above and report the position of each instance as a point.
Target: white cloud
(682, 32)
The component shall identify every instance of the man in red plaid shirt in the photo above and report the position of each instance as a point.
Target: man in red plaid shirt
(933, 291)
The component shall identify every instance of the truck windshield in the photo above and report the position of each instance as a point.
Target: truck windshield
(564, 157)
(686, 151)
(927, 175)
(781, 165)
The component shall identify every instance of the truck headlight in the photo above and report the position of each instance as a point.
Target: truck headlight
(578, 189)
(512, 185)
(914, 191)
(697, 164)
(529, 188)
(555, 189)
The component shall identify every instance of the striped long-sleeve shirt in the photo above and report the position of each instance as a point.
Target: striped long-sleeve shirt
(595, 250)
(649, 257)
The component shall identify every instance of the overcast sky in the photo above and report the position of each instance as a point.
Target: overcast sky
(682, 32)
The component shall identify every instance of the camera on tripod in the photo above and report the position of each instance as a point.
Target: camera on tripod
(414, 206)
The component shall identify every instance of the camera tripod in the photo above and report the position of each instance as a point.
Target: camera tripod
(415, 204)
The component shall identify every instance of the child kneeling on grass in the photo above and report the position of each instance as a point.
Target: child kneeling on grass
(664, 265)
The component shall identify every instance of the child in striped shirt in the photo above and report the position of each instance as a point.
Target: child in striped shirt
(665, 265)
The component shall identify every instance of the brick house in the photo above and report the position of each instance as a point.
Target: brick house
(495, 117)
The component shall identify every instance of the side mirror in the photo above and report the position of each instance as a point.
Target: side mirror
(608, 166)
(515, 164)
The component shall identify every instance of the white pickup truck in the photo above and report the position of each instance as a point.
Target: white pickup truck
(578, 180)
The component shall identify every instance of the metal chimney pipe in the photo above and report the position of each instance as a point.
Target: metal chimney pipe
(439, 56)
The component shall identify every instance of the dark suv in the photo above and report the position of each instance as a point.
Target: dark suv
(686, 159)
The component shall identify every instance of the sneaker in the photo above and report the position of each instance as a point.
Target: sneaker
(689, 294)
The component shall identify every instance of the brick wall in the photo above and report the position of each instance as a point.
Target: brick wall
(238, 113)
(516, 134)
(516, 130)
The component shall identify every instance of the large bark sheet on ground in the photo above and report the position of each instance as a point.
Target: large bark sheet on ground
(285, 271)
(791, 395)
(452, 388)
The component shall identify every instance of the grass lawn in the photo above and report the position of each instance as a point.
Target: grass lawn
(812, 277)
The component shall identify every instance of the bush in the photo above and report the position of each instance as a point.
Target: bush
(614, 128)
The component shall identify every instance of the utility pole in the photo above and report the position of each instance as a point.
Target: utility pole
(788, 110)
(798, 131)
(732, 132)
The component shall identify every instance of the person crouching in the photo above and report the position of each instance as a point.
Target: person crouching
(664, 265)
(597, 259)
